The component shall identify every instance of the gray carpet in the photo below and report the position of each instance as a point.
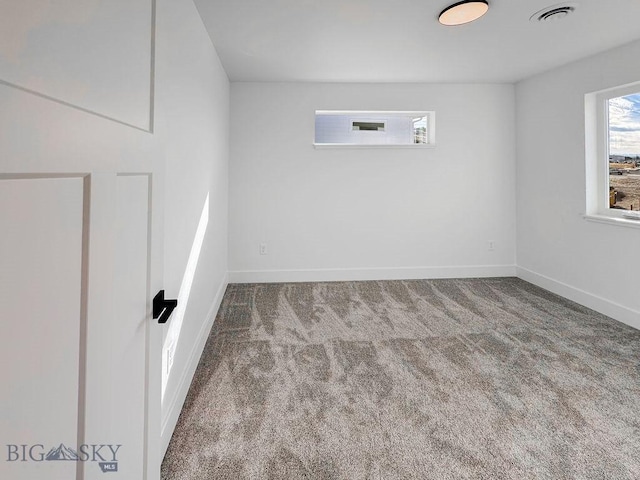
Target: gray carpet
(440, 379)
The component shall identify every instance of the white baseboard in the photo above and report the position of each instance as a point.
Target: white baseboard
(606, 307)
(353, 274)
(170, 419)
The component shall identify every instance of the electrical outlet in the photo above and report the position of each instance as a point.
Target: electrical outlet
(263, 249)
(491, 245)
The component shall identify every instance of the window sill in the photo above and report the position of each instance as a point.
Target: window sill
(358, 145)
(619, 221)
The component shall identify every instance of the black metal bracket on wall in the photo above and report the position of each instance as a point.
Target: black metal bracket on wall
(162, 308)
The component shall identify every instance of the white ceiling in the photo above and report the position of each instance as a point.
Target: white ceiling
(402, 41)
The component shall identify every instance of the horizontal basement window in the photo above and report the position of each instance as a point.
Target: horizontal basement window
(357, 128)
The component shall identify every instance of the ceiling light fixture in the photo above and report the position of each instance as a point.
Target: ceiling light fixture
(463, 12)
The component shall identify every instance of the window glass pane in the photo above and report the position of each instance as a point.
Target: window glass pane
(420, 130)
(624, 152)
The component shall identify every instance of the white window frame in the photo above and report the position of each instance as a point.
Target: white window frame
(597, 158)
(359, 115)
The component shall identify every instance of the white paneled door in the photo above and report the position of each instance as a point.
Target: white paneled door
(76, 335)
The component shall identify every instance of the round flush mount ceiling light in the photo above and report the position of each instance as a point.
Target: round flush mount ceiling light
(463, 12)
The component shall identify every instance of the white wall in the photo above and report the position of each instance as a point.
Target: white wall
(193, 123)
(593, 263)
(371, 213)
(187, 153)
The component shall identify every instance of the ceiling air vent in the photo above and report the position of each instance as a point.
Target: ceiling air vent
(553, 13)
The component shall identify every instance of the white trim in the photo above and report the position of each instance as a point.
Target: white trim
(368, 113)
(177, 402)
(619, 91)
(384, 273)
(611, 309)
(618, 221)
(321, 146)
